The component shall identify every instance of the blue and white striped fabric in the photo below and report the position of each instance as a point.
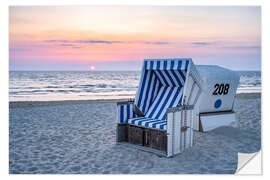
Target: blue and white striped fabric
(148, 122)
(167, 97)
(125, 112)
(161, 87)
(167, 64)
(148, 91)
(169, 72)
(157, 74)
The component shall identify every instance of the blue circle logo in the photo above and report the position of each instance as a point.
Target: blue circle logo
(218, 103)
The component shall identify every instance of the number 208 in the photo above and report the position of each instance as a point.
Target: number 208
(221, 89)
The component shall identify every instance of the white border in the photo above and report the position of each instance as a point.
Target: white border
(4, 68)
(138, 2)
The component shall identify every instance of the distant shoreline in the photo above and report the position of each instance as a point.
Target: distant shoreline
(28, 104)
(139, 70)
(19, 104)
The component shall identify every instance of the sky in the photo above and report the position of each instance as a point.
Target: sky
(121, 37)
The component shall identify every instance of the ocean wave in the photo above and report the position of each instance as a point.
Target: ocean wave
(79, 90)
(28, 84)
(52, 87)
(101, 85)
(80, 86)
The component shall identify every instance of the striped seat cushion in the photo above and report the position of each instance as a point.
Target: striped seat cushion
(148, 122)
(156, 116)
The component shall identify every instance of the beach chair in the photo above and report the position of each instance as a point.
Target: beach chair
(217, 99)
(160, 119)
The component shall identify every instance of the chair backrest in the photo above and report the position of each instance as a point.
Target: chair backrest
(162, 85)
(167, 97)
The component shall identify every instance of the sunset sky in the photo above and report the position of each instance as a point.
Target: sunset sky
(120, 37)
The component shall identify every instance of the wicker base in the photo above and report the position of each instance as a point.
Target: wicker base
(152, 138)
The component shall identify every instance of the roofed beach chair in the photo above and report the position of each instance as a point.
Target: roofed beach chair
(217, 99)
(160, 119)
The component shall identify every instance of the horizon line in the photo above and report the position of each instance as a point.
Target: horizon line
(103, 70)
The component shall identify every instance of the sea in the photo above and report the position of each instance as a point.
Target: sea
(92, 85)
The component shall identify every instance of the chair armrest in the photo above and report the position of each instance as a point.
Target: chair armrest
(179, 108)
(129, 101)
(125, 111)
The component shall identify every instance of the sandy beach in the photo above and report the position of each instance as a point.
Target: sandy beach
(79, 137)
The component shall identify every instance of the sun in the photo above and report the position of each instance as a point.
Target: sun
(92, 67)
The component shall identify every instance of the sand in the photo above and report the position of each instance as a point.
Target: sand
(79, 137)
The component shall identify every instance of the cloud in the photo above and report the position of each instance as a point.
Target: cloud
(220, 44)
(70, 45)
(98, 42)
(156, 42)
(243, 47)
(57, 41)
(83, 41)
(67, 45)
(69, 42)
(201, 43)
